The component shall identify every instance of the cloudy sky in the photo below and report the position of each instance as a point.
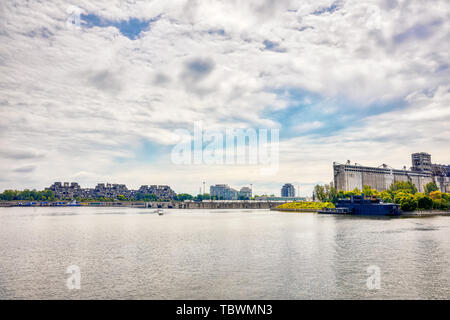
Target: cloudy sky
(95, 91)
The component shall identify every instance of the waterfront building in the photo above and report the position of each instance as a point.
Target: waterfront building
(441, 175)
(162, 192)
(288, 190)
(421, 161)
(270, 198)
(65, 190)
(111, 190)
(108, 190)
(350, 176)
(245, 193)
(223, 192)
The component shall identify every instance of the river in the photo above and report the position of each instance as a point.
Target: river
(125, 253)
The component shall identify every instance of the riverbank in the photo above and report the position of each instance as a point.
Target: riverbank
(426, 213)
(406, 214)
(218, 204)
(294, 210)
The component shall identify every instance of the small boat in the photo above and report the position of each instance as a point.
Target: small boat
(160, 212)
(73, 203)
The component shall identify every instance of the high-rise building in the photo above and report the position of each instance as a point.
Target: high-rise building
(245, 192)
(421, 161)
(288, 190)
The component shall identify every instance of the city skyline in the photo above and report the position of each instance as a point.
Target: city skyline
(97, 91)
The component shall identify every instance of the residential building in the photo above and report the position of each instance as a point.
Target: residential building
(288, 191)
(245, 193)
(223, 192)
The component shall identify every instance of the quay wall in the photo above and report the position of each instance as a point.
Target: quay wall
(163, 205)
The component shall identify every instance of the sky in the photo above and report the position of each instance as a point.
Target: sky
(99, 91)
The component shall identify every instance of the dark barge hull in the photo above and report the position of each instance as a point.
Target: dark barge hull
(360, 206)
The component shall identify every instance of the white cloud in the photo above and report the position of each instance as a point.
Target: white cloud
(76, 100)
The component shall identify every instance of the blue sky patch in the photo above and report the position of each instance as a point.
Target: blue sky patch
(309, 113)
(273, 46)
(332, 8)
(130, 28)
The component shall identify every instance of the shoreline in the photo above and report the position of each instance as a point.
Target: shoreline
(218, 204)
(197, 205)
(406, 214)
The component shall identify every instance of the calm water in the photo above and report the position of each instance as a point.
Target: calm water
(219, 254)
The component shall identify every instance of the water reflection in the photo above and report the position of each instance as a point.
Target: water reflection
(195, 254)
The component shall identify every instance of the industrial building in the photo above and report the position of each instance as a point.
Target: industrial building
(350, 176)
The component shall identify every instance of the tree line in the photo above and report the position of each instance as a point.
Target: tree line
(48, 195)
(403, 193)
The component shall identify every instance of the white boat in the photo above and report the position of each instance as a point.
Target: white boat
(159, 211)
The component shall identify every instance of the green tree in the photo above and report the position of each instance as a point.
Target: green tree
(407, 202)
(340, 194)
(332, 194)
(435, 195)
(201, 197)
(430, 187)
(8, 195)
(368, 191)
(121, 197)
(440, 204)
(404, 186)
(423, 201)
(183, 196)
(319, 192)
(386, 197)
(354, 192)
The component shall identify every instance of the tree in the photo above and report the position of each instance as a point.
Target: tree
(8, 195)
(320, 193)
(404, 186)
(440, 204)
(436, 195)
(183, 196)
(399, 195)
(386, 197)
(145, 197)
(368, 191)
(201, 197)
(121, 197)
(340, 194)
(407, 202)
(430, 187)
(332, 195)
(354, 192)
(423, 201)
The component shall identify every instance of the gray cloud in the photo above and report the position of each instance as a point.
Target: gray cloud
(198, 68)
(418, 32)
(19, 154)
(123, 107)
(161, 79)
(25, 169)
(105, 80)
